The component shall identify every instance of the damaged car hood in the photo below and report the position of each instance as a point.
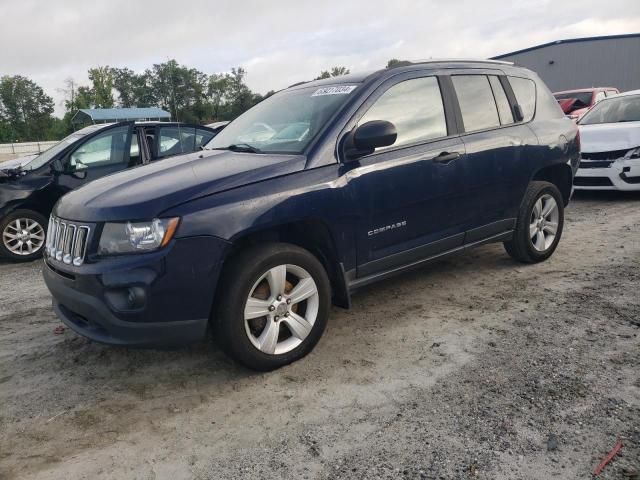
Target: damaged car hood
(11, 167)
(145, 192)
(606, 137)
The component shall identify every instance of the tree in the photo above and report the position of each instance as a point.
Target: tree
(25, 110)
(217, 91)
(125, 82)
(394, 62)
(102, 89)
(334, 72)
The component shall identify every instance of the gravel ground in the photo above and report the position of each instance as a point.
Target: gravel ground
(474, 367)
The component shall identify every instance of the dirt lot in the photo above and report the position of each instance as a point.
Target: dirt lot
(475, 367)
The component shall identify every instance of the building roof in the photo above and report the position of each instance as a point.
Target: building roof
(118, 114)
(570, 40)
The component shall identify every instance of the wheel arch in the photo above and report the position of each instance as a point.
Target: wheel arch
(561, 175)
(313, 235)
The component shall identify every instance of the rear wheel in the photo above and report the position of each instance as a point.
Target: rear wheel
(539, 224)
(273, 306)
(22, 235)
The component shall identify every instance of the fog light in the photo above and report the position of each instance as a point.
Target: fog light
(126, 298)
(136, 298)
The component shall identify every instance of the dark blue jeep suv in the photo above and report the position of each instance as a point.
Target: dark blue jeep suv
(318, 190)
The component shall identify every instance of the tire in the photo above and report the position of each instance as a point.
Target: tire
(534, 239)
(33, 228)
(248, 278)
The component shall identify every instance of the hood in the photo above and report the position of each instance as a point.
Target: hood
(145, 192)
(606, 137)
(17, 162)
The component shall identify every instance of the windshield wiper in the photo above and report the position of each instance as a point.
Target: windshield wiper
(240, 147)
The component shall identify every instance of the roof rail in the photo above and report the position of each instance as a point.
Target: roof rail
(405, 63)
(299, 83)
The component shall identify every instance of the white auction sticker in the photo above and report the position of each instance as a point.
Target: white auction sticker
(339, 90)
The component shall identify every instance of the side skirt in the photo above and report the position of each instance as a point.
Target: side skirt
(354, 283)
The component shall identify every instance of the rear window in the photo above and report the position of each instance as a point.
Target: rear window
(477, 105)
(525, 92)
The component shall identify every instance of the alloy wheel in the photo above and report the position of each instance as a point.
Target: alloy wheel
(23, 236)
(281, 309)
(543, 225)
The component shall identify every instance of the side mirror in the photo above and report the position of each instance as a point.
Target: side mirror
(369, 136)
(57, 166)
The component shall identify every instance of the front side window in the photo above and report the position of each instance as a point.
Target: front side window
(286, 122)
(415, 108)
(477, 104)
(176, 140)
(107, 148)
(525, 92)
(624, 108)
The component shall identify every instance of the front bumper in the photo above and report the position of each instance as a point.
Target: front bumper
(172, 292)
(619, 175)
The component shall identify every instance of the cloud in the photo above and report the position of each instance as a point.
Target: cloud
(282, 41)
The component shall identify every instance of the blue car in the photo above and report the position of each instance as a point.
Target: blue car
(320, 189)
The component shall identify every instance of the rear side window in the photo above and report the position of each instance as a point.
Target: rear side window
(415, 108)
(202, 137)
(504, 110)
(176, 140)
(476, 101)
(525, 92)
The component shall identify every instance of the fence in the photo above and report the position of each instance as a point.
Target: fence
(16, 149)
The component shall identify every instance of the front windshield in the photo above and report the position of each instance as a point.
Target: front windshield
(624, 108)
(283, 123)
(48, 154)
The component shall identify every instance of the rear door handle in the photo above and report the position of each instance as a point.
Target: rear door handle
(446, 157)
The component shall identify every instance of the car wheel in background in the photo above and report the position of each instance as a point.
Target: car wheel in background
(272, 307)
(539, 224)
(22, 235)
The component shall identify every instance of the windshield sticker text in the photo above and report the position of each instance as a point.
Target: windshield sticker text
(340, 90)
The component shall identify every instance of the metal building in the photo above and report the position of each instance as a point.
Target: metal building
(87, 116)
(611, 61)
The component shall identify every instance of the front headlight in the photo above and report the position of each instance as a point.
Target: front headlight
(632, 154)
(131, 237)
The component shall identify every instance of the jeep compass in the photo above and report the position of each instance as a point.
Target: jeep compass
(320, 189)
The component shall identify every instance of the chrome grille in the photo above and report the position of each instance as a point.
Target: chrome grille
(66, 241)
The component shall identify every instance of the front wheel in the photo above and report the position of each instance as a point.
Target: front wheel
(22, 235)
(272, 307)
(539, 224)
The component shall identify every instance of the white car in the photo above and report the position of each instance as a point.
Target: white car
(610, 144)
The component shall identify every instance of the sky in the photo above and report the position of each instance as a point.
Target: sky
(281, 42)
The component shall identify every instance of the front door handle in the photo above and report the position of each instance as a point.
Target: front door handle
(446, 157)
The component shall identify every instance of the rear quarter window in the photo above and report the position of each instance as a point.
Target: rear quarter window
(525, 91)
